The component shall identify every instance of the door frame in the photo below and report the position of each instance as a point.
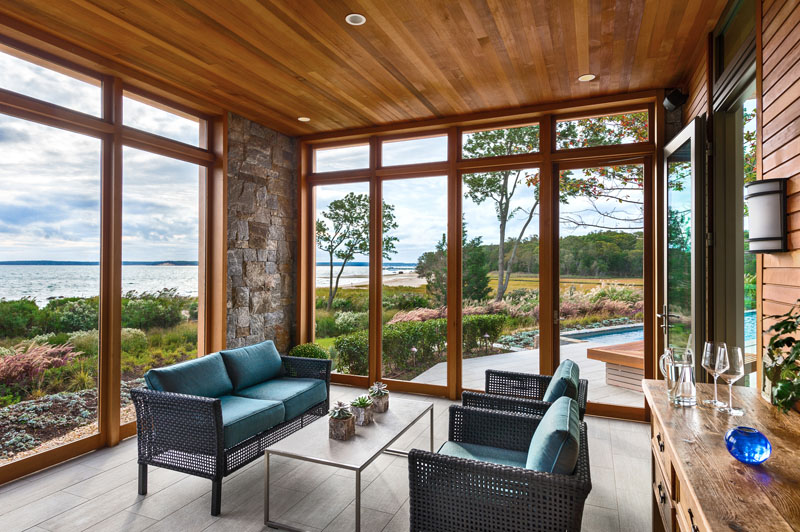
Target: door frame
(694, 132)
(650, 232)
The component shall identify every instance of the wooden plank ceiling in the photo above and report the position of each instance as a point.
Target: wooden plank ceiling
(273, 61)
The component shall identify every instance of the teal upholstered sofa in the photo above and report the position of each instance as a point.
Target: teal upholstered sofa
(212, 415)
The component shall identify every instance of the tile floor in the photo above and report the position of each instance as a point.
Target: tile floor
(97, 492)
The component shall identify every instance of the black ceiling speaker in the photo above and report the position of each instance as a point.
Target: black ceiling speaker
(675, 98)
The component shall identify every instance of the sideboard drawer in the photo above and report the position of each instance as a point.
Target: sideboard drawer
(661, 492)
(659, 444)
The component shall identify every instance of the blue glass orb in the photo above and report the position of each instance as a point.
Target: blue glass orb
(748, 445)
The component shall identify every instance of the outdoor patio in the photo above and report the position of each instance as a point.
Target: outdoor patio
(527, 361)
(98, 491)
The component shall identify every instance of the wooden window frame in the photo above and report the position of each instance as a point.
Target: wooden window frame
(548, 160)
(211, 159)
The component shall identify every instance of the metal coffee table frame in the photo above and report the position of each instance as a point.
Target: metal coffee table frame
(357, 468)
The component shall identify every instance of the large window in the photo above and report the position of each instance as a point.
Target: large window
(62, 226)
(482, 228)
(500, 273)
(342, 279)
(49, 286)
(160, 222)
(414, 345)
(601, 252)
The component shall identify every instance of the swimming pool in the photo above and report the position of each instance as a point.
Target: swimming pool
(615, 336)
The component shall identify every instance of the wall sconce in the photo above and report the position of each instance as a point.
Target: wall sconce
(766, 203)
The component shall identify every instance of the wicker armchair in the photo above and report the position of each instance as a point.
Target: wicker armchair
(456, 494)
(185, 432)
(519, 392)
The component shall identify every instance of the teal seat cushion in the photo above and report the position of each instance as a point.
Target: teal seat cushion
(297, 394)
(204, 376)
(555, 444)
(252, 364)
(564, 382)
(484, 453)
(243, 418)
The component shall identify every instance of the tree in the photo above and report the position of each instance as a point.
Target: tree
(475, 268)
(432, 265)
(500, 187)
(344, 233)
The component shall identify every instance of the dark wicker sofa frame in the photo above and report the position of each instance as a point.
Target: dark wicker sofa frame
(185, 432)
(519, 392)
(450, 494)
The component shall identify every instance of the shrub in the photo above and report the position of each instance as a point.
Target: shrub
(402, 345)
(308, 351)
(348, 322)
(86, 341)
(343, 304)
(326, 327)
(46, 338)
(133, 340)
(17, 317)
(482, 328)
(152, 310)
(405, 301)
(25, 368)
(352, 352)
(74, 315)
(615, 292)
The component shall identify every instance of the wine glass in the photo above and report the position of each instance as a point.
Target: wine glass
(713, 363)
(733, 373)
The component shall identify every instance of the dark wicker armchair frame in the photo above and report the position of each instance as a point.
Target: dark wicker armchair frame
(185, 432)
(456, 494)
(521, 392)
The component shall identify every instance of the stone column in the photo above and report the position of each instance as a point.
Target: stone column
(262, 239)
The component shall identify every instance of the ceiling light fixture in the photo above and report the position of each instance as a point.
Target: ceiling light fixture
(587, 77)
(355, 19)
(304, 119)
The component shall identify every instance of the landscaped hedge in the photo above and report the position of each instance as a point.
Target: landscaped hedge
(415, 345)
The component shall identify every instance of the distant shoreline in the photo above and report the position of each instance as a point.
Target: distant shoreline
(81, 263)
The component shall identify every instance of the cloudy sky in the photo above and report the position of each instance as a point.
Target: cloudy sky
(50, 179)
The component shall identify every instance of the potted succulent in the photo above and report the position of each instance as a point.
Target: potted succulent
(341, 425)
(380, 397)
(362, 409)
(783, 351)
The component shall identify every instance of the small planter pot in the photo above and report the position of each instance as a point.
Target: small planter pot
(342, 429)
(380, 403)
(363, 415)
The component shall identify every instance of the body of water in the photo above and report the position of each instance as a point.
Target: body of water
(43, 283)
(357, 273)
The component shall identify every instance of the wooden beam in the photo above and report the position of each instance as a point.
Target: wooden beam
(548, 253)
(51, 114)
(375, 265)
(111, 267)
(454, 266)
(165, 147)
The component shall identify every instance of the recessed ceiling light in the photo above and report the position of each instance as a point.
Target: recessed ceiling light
(586, 77)
(304, 119)
(355, 19)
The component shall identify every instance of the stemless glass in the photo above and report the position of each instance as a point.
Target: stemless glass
(713, 363)
(733, 373)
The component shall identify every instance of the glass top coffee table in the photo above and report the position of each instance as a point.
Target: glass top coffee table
(312, 444)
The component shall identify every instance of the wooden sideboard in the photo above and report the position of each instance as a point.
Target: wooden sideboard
(699, 487)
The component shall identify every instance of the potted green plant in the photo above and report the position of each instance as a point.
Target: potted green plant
(341, 425)
(783, 351)
(380, 397)
(362, 409)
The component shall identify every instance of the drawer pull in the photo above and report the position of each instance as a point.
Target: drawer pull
(660, 443)
(691, 521)
(661, 497)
